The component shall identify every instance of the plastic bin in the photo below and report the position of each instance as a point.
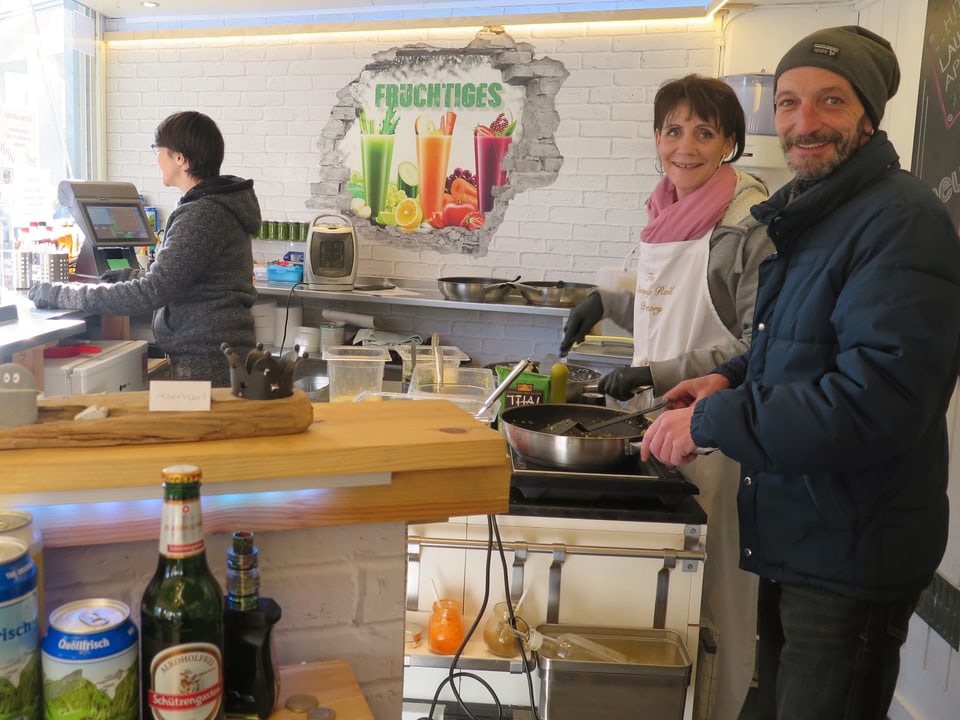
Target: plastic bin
(653, 685)
(353, 369)
(466, 387)
(452, 356)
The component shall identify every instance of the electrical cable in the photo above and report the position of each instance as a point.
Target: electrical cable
(513, 621)
(493, 531)
(286, 316)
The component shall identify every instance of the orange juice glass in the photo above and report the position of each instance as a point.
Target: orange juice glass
(446, 626)
(433, 157)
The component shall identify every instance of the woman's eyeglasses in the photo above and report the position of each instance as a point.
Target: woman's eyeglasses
(155, 148)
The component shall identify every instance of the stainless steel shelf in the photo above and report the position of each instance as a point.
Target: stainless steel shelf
(410, 292)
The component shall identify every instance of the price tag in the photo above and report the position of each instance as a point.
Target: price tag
(179, 395)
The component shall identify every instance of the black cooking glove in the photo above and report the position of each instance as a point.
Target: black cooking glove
(583, 317)
(43, 295)
(120, 275)
(623, 383)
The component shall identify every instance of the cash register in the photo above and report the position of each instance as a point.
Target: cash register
(113, 221)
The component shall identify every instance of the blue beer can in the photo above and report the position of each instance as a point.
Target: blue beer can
(91, 644)
(19, 628)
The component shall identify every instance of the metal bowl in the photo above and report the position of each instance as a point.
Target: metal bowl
(475, 289)
(556, 293)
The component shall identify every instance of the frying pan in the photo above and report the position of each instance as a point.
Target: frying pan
(526, 429)
(554, 294)
(475, 289)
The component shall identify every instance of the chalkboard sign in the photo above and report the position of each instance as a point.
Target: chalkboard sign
(936, 147)
(942, 48)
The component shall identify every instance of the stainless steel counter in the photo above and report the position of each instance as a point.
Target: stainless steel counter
(35, 327)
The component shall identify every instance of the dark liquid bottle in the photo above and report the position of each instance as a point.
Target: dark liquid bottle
(251, 678)
(181, 613)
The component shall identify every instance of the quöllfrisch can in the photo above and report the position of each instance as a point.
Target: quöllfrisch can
(19, 629)
(91, 661)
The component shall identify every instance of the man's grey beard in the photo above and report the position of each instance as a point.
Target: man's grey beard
(806, 177)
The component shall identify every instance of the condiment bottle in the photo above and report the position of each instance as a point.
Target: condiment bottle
(570, 646)
(558, 382)
(446, 627)
(181, 613)
(250, 672)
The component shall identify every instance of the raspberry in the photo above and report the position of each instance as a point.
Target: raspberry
(500, 124)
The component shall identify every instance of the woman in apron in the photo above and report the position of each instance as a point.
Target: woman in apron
(692, 309)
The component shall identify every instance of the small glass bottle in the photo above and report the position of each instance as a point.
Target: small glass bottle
(570, 646)
(446, 627)
(181, 613)
(498, 635)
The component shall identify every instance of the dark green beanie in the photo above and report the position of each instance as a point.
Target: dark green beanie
(864, 58)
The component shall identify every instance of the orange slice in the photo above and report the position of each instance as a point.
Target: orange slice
(408, 213)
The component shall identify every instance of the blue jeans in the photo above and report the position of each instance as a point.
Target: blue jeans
(825, 656)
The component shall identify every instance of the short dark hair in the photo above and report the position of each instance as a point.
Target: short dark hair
(710, 99)
(197, 137)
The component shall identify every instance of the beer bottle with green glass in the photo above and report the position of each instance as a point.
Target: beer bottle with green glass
(181, 613)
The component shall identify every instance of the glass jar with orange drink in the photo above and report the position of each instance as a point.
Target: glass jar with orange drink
(446, 627)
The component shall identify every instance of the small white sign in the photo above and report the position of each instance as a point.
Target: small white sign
(180, 395)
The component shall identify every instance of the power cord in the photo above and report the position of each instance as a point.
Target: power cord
(493, 531)
(286, 315)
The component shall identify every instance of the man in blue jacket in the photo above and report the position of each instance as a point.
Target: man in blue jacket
(837, 412)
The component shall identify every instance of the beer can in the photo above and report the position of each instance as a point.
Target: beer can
(19, 524)
(90, 660)
(20, 638)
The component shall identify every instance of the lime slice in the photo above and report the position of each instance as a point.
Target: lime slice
(407, 179)
(423, 125)
(387, 218)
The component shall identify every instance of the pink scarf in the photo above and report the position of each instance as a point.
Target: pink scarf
(673, 220)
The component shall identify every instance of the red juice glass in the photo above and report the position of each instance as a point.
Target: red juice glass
(488, 151)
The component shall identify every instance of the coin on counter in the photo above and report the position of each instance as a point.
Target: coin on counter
(302, 702)
(322, 713)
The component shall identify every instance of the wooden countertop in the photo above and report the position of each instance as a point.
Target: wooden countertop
(331, 682)
(357, 463)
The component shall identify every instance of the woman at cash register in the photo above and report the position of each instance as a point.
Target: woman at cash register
(200, 286)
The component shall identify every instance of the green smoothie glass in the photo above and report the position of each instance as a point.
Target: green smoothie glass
(376, 152)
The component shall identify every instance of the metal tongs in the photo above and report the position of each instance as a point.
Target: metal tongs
(502, 387)
(569, 425)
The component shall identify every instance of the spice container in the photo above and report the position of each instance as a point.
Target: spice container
(412, 636)
(446, 627)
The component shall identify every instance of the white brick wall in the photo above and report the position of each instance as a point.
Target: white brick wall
(272, 96)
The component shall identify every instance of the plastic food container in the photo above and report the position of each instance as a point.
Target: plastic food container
(352, 369)
(466, 387)
(284, 272)
(452, 356)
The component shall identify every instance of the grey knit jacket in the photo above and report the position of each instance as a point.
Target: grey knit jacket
(199, 287)
(737, 246)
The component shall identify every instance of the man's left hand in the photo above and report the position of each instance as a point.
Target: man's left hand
(41, 294)
(668, 438)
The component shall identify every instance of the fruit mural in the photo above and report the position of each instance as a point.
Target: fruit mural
(424, 168)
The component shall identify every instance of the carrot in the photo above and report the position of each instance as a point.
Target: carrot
(461, 188)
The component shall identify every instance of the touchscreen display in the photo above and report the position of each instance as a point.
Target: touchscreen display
(118, 225)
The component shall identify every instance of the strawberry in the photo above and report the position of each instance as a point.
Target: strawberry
(472, 221)
(483, 130)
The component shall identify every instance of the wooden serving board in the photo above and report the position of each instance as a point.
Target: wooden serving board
(130, 421)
